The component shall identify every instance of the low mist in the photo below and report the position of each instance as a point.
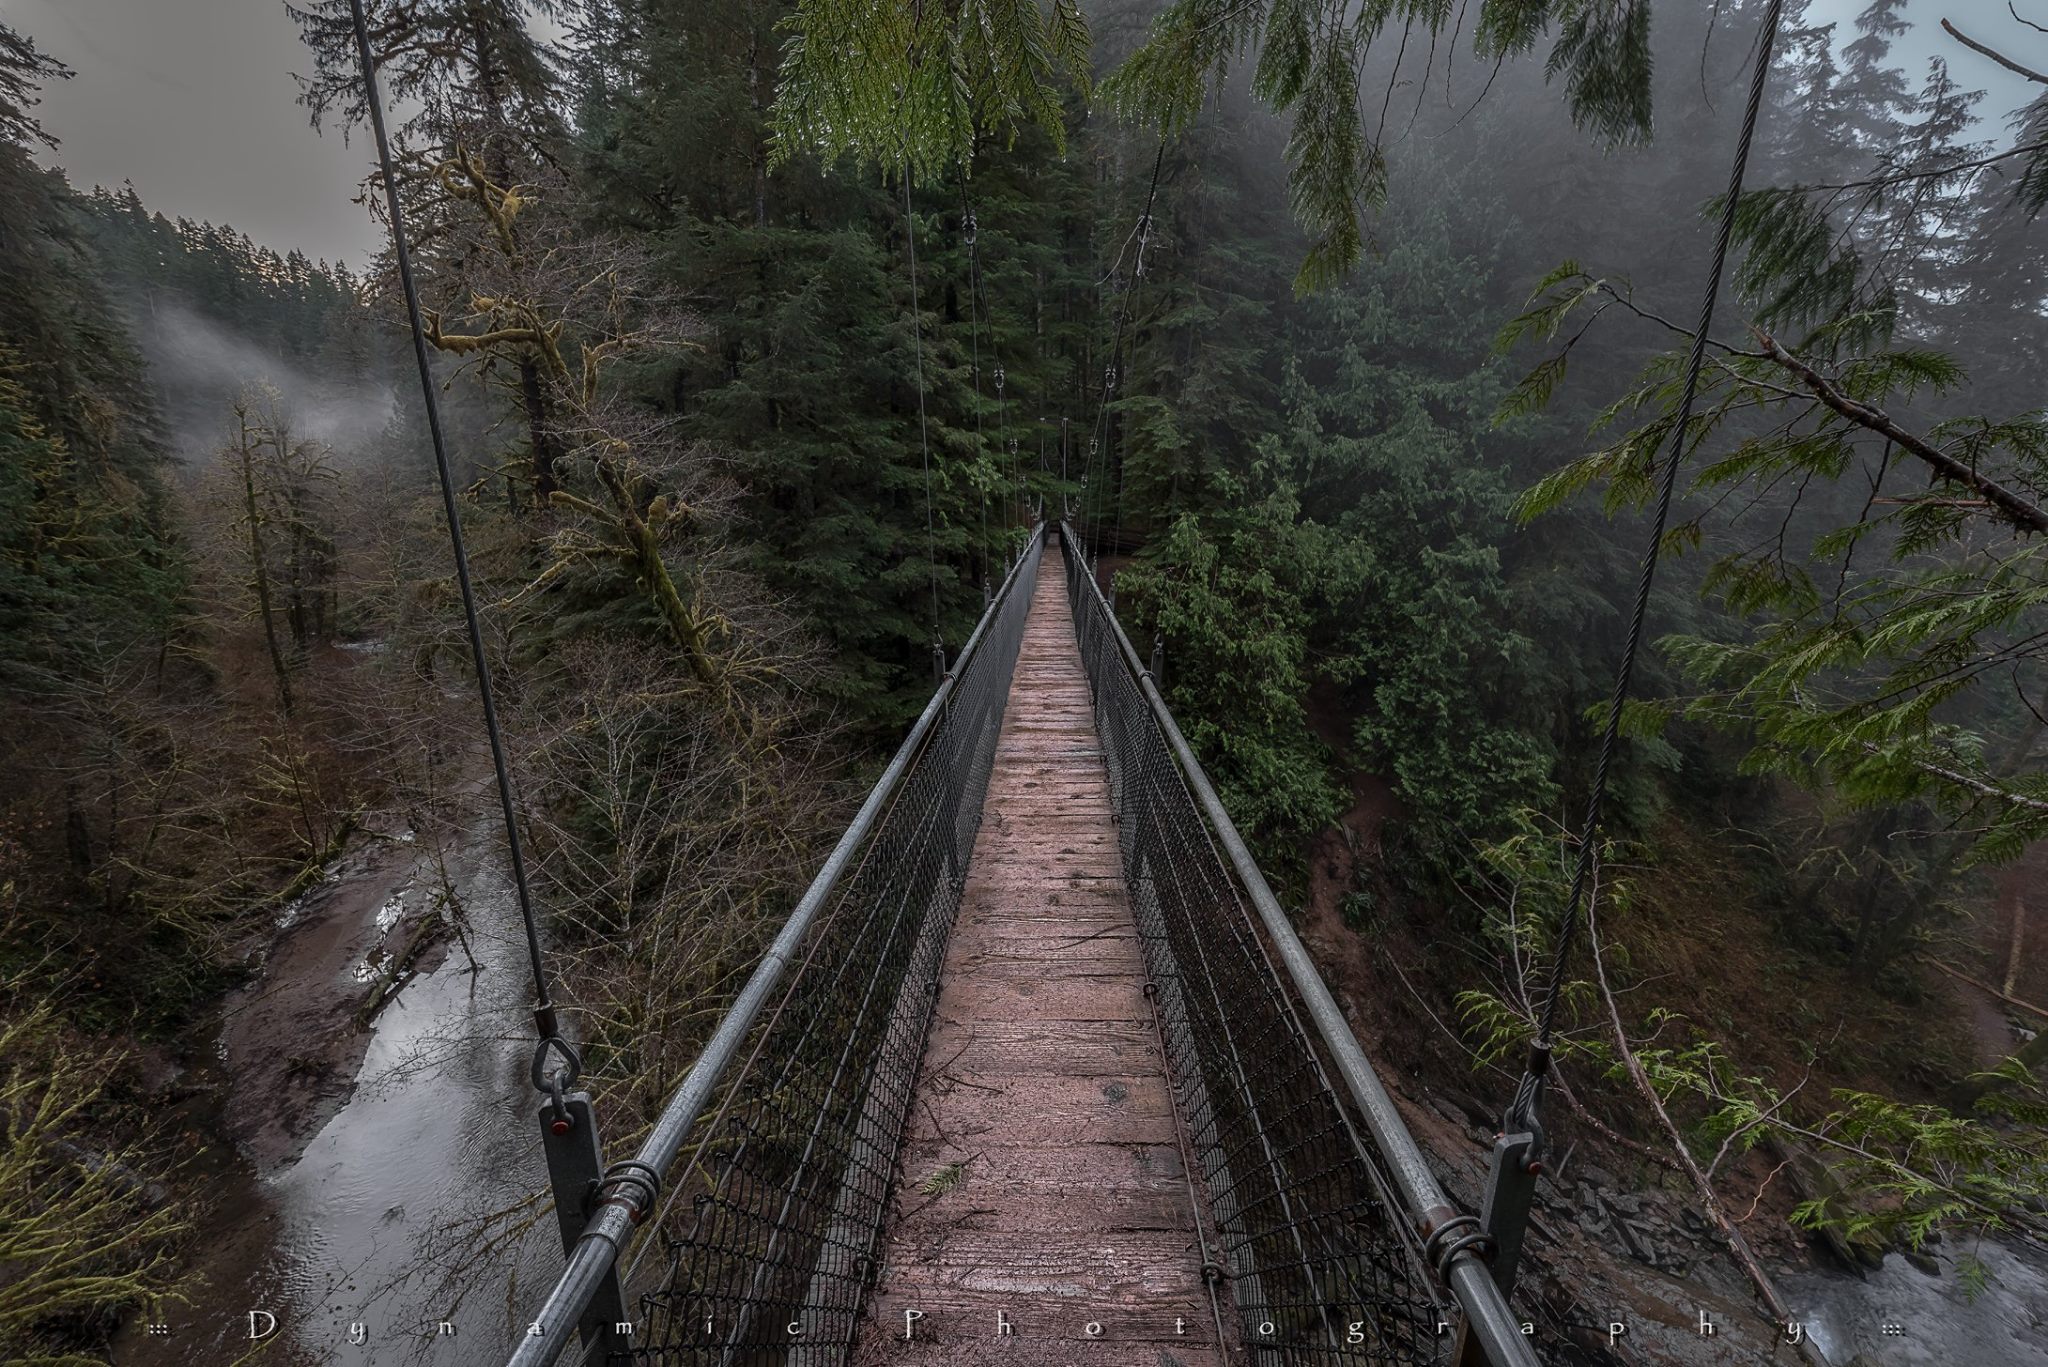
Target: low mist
(199, 367)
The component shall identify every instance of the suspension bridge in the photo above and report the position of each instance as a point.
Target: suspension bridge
(1037, 1072)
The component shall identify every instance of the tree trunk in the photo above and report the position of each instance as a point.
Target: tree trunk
(535, 400)
(260, 573)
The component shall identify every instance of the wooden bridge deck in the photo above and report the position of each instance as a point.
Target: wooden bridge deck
(1042, 1214)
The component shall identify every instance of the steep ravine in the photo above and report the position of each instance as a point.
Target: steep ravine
(1613, 1244)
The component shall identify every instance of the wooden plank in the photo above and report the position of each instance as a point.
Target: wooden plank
(1112, 1049)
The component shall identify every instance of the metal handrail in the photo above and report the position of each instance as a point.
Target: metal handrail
(1489, 1320)
(605, 1238)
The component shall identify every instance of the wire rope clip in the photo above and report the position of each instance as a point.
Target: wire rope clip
(632, 1184)
(969, 228)
(1445, 1241)
(999, 389)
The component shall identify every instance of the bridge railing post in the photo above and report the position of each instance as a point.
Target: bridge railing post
(568, 1136)
(1510, 1191)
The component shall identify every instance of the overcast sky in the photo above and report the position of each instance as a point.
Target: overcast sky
(193, 100)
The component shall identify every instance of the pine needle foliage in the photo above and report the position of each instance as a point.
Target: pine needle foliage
(890, 82)
(1309, 63)
(1883, 570)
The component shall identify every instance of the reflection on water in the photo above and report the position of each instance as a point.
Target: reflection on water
(394, 1220)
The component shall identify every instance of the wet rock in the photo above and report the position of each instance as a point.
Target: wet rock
(1925, 1262)
(1475, 1111)
(1444, 1107)
(1624, 1203)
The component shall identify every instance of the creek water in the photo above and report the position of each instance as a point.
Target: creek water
(386, 1225)
(1899, 1316)
(413, 1203)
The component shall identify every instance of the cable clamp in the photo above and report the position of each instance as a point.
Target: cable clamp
(632, 1184)
(1446, 1241)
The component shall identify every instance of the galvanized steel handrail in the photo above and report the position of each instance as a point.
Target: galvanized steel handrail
(1490, 1322)
(605, 1238)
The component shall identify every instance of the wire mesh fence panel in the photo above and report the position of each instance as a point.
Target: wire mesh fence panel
(1318, 1256)
(771, 1235)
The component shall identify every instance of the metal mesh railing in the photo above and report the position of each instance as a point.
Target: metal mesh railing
(779, 1195)
(1321, 1262)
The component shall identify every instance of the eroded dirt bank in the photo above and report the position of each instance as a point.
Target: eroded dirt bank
(1614, 1239)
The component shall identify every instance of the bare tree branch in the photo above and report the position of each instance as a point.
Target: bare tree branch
(2008, 63)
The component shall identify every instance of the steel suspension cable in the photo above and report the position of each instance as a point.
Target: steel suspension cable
(924, 440)
(978, 302)
(1522, 1112)
(1098, 440)
(544, 1008)
(970, 231)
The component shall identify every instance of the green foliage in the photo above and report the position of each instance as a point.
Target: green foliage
(84, 567)
(1893, 1171)
(943, 1179)
(1419, 615)
(1310, 66)
(1891, 620)
(1231, 594)
(892, 83)
(806, 387)
(1351, 546)
(24, 70)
